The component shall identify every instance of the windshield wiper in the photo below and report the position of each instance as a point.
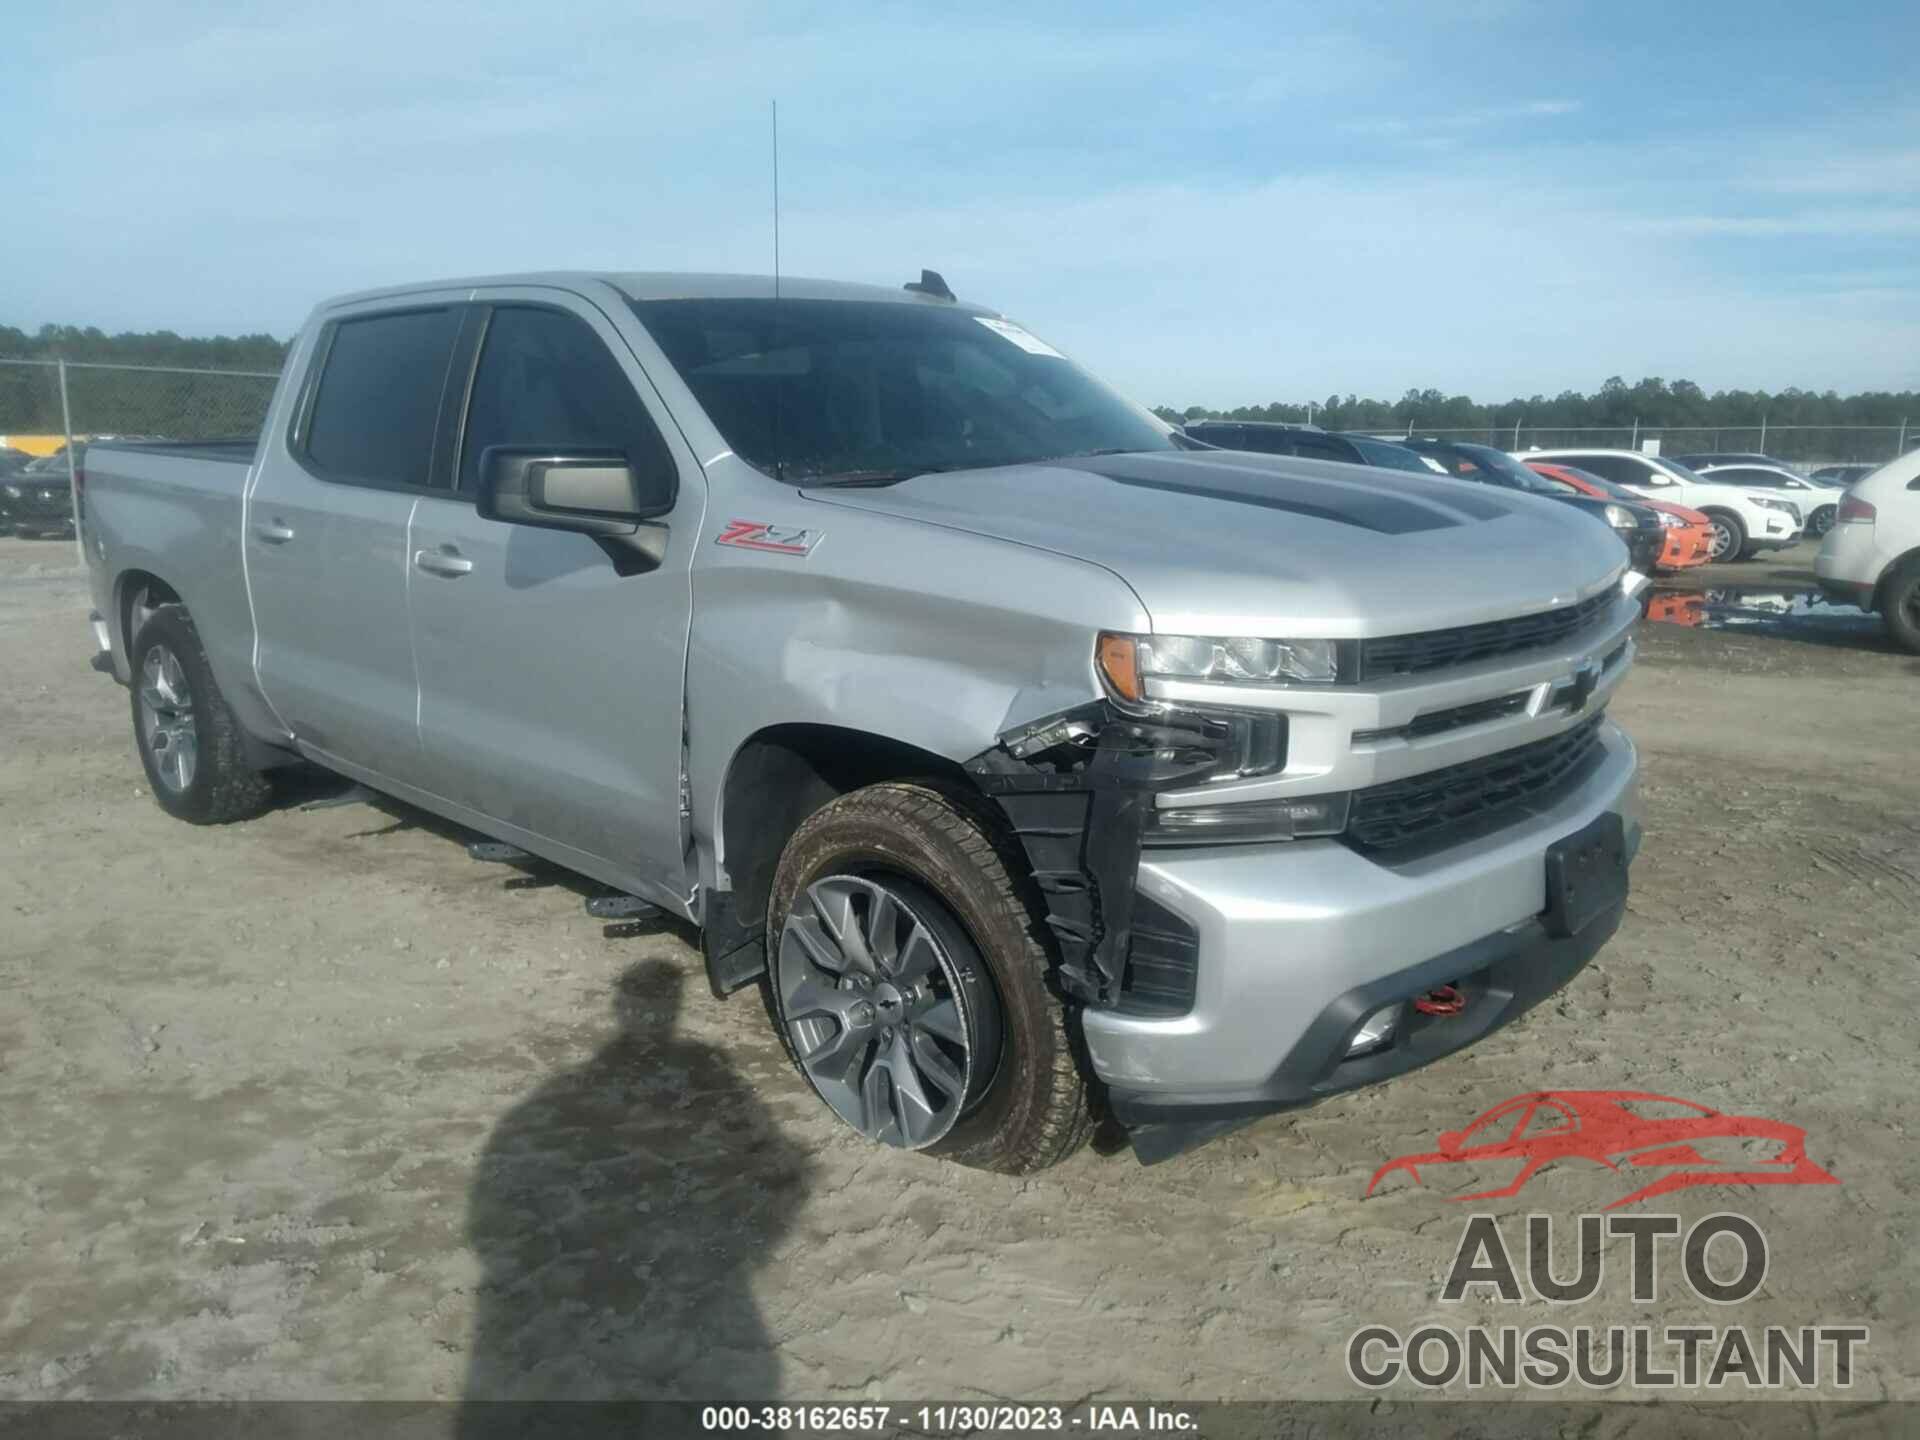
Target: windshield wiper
(851, 479)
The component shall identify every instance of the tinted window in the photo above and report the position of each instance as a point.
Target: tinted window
(1324, 447)
(545, 379)
(1620, 469)
(823, 388)
(1751, 479)
(379, 395)
(1269, 442)
(1391, 457)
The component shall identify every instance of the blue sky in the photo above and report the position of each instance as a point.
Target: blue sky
(1214, 204)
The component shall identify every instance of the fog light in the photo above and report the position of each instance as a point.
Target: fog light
(1376, 1034)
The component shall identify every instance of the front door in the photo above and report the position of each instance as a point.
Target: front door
(552, 670)
(326, 535)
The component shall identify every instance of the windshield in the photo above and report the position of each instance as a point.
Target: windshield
(1676, 469)
(1499, 467)
(818, 389)
(1605, 486)
(1391, 457)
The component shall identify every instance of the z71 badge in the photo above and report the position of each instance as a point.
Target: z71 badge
(752, 535)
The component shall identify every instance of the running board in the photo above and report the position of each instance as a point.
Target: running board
(621, 907)
(355, 794)
(494, 852)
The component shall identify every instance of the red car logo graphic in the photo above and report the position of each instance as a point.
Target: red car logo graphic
(1677, 1143)
(754, 535)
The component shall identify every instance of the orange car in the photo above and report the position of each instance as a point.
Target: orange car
(1688, 544)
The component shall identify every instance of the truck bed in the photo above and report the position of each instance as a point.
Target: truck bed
(238, 451)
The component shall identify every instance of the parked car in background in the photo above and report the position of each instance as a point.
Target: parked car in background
(1744, 523)
(1265, 437)
(38, 500)
(1638, 527)
(1871, 556)
(1705, 458)
(1841, 476)
(1816, 503)
(1023, 754)
(1689, 534)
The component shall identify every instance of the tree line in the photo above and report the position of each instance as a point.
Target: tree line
(153, 347)
(1652, 404)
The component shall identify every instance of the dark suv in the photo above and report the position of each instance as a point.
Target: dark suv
(1269, 437)
(38, 499)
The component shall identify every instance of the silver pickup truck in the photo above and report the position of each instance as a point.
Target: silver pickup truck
(1039, 764)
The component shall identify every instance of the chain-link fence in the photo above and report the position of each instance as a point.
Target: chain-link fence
(52, 408)
(1806, 446)
(74, 399)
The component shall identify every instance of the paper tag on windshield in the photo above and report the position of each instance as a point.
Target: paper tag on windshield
(1006, 329)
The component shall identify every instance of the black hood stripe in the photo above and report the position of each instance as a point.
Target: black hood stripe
(1363, 507)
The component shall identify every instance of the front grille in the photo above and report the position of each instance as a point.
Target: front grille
(1433, 806)
(1391, 655)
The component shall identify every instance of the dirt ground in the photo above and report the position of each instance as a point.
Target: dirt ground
(317, 1107)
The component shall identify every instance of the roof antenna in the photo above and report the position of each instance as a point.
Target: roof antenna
(930, 283)
(779, 449)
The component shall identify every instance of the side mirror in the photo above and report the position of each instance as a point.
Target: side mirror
(587, 492)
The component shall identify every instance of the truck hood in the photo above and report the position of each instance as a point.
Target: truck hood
(1227, 543)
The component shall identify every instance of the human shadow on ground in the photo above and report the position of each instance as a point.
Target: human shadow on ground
(619, 1214)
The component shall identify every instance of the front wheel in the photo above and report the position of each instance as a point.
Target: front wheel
(1821, 521)
(908, 982)
(1727, 539)
(189, 742)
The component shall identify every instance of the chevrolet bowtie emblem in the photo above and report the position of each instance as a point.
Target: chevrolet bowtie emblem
(1585, 680)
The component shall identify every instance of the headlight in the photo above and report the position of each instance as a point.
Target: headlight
(13, 490)
(1670, 522)
(1770, 503)
(1251, 822)
(1621, 518)
(1126, 661)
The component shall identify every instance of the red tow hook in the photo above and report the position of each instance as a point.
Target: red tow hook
(1444, 1001)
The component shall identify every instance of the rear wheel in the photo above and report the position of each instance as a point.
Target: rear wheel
(189, 742)
(1900, 605)
(909, 983)
(1728, 538)
(1821, 520)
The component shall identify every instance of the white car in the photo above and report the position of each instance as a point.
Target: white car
(1745, 522)
(1871, 556)
(1817, 503)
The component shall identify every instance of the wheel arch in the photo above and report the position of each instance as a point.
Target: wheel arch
(129, 587)
(1888, 571)
(783, 773)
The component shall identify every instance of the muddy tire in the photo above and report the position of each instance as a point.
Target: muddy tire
(937, 854)
(1900, 605)
(189, 742)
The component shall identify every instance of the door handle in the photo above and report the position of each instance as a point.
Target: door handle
(274, 532)
(445, 561)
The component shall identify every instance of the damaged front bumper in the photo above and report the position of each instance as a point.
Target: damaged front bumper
(1300, 944)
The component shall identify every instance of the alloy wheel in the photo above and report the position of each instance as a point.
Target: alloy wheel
(1723, 542)
(166, 719)
(876, 1012)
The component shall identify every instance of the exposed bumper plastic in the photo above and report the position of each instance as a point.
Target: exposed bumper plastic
(1292, 934)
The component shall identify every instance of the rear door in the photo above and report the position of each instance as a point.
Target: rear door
(326, 531)
(552, 669)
